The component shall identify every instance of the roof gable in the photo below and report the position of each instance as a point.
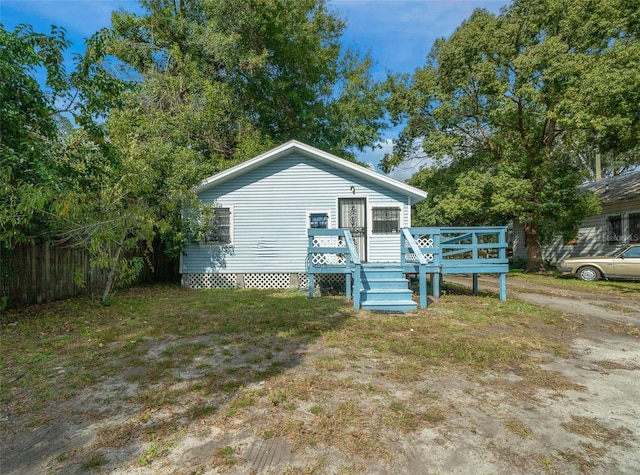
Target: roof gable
(294, 146)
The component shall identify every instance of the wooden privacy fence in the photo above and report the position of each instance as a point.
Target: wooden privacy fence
(42, 271)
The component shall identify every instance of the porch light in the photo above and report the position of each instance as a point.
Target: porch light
(353, 189)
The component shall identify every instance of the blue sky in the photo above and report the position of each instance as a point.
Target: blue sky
(398, 33)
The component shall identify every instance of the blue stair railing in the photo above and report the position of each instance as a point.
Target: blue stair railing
(411, 255)
(430, 250)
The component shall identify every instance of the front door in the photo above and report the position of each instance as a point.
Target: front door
(352, 215)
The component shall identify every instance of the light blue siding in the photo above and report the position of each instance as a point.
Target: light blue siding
(270, 207)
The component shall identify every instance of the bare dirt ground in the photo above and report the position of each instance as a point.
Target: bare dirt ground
(603, 307)
(485, 423)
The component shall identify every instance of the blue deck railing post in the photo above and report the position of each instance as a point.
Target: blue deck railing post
(437, 260)
(353, 267)
(310, 266)
(423, 287)
(356, 290)
(408, 241)
(502, 254)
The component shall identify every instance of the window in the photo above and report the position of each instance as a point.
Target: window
(614, 229)
(634, 252)
(634, 227)
(220, 230)
(386, 220)
(318, 220)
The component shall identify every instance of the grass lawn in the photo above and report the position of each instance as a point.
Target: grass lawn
(162, 363)
(629, 289)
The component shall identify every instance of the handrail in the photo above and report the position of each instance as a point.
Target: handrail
(406, 237)
(355, 260)
(353, 252)
(415, 249)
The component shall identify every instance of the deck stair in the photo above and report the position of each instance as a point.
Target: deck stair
(384, 287)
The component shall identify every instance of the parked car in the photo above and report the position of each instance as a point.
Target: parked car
(622, 264)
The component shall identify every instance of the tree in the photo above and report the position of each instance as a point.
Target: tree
(502, 105)
(61, 182)
(230, 79)
(212, 84)
(29, 120)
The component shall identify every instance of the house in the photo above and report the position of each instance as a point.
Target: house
(617, 224)
(264, 208)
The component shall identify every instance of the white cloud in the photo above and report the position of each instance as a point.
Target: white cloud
(374, 156)
(408, 168)
(403, 172)
(400, 34)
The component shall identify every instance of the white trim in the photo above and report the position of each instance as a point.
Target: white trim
(415, 195)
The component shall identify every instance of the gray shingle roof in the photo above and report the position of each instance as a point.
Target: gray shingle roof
(616, 188)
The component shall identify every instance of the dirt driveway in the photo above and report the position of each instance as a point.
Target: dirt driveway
(612, 308)
(337, 411)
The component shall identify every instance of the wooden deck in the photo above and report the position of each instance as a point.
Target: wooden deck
(435, 251)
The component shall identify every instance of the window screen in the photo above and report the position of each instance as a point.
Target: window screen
(220, 232)
(318, 220)
(634, 227)
(386, 220)
(614, 229)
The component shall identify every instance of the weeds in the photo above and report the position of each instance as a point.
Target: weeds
(243, 359)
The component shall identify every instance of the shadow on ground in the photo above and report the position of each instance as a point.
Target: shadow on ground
(143, 386)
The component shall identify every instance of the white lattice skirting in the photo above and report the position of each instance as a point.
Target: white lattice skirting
(335, 282)
(209, 281)
(267, 281)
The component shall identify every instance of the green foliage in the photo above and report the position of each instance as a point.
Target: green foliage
(160, 101)
(37, 143)
(28, 128)
(505, 107)
(222, 81)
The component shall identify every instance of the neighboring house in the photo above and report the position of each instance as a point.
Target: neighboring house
(265, 206)
(617, 224)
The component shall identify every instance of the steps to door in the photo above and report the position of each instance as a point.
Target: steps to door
(384, 287)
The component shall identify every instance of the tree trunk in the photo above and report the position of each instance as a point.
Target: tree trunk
(111, 274)
(534, 249)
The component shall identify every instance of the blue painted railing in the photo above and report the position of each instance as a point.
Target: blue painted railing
(429, 250)
(459, 250)
(412, 251)
(332, 251)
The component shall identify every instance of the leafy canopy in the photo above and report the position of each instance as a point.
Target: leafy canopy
(503, 104)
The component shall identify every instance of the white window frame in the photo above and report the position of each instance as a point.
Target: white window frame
(231, 227)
